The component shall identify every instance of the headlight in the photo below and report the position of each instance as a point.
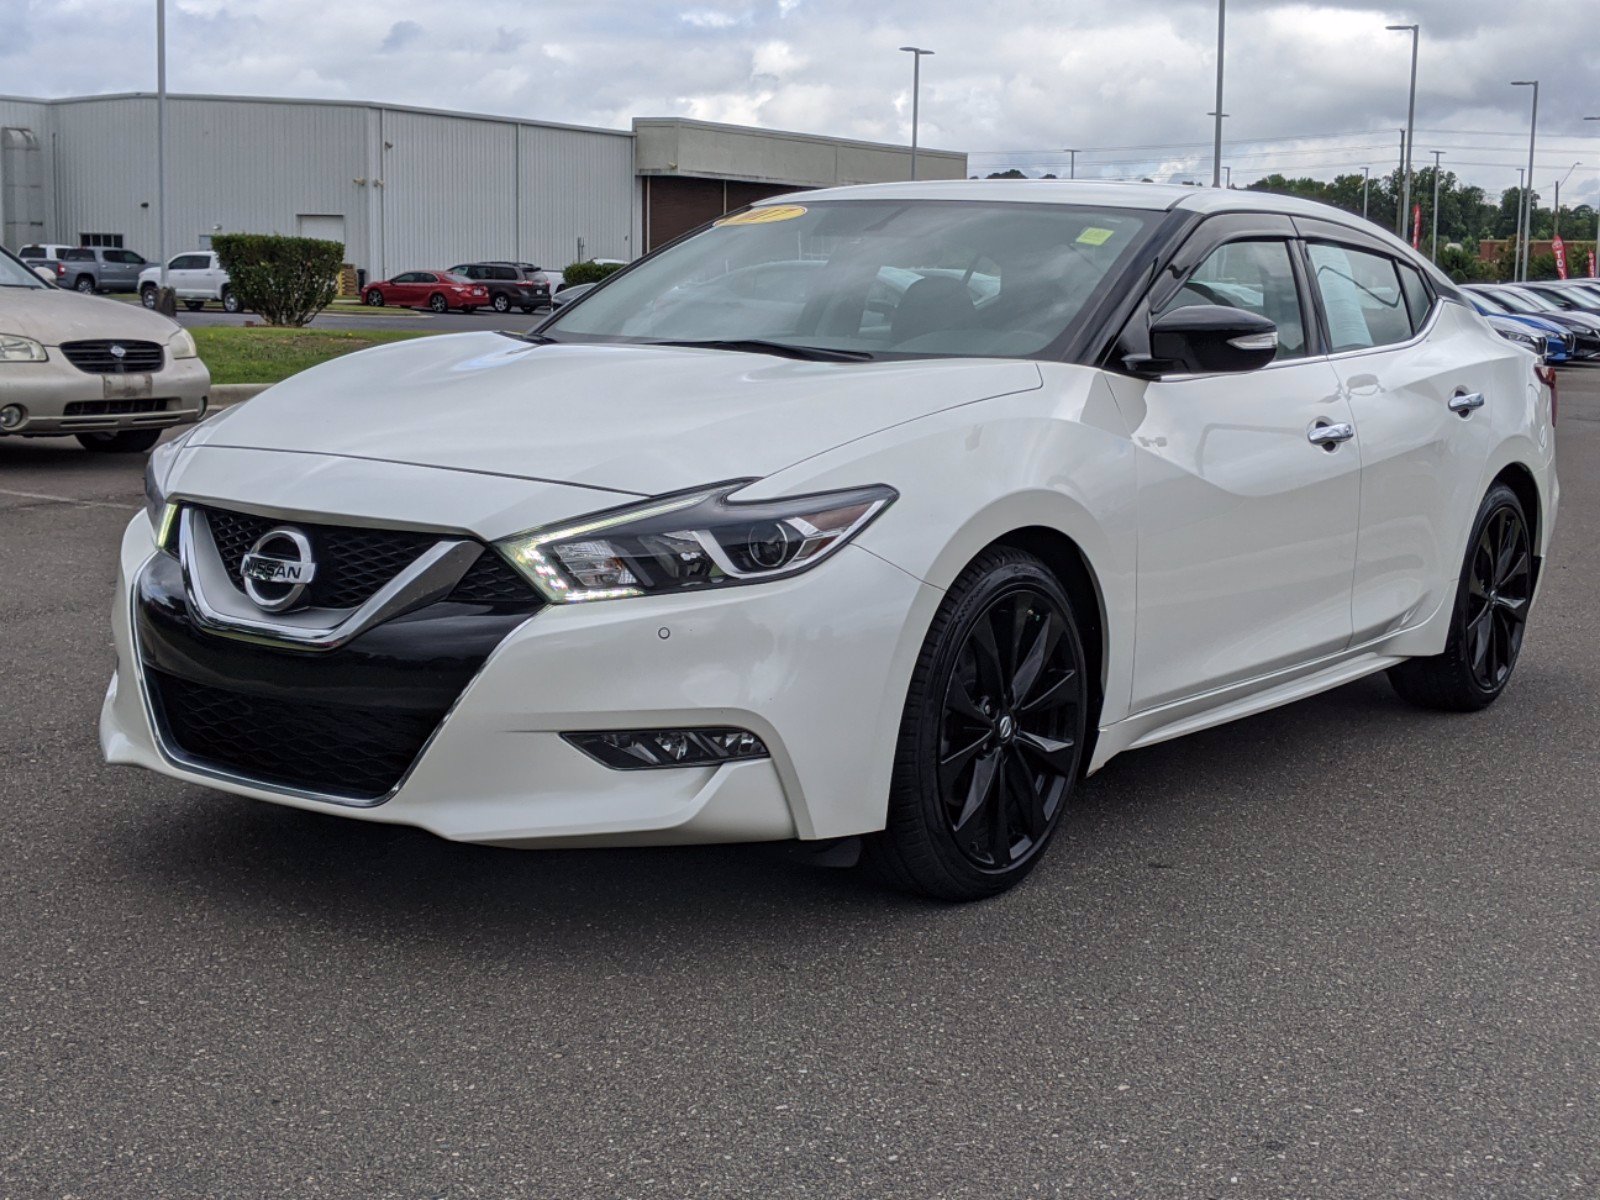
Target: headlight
(691, 541)
(162, 513)
(1523, 339)
(181, 345)
(16, 348)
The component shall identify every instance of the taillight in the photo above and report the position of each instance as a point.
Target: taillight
(61, 270)
(1547, 376)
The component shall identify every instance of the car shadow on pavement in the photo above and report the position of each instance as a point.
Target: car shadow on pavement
(1177, 801)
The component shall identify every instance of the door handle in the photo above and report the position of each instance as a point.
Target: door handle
(1328, 436)
(1465, 402)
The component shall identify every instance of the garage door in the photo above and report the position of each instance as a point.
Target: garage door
(328, 226)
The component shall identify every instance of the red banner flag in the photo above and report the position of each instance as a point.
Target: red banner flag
(1560, 249)
(1416, 226)
(1593, 274)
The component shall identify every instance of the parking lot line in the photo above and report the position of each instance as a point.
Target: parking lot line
(66, 499)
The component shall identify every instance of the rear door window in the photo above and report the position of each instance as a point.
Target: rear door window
(1361, 297)
(79, 254)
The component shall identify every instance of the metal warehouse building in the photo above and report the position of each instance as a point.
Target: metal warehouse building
(401, 187)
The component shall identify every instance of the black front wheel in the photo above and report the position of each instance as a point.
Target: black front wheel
(129, 441)
(374, 298)
(1490, 616)
(992, 737)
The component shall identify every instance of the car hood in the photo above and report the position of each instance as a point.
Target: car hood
(53, 316)
(630, 418)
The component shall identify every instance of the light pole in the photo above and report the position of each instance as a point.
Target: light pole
(1437, 154)
(916, 53)
(161, 139)
(1216, 149)
(1072, 170)
(1555, 217)
(1527, 200)
(1366, 184)
(1411, 124)
(1596, 219)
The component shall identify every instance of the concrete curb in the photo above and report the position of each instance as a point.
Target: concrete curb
(224, 394)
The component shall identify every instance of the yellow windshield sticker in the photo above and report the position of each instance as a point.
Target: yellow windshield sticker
(765, 216)
(1094, 236)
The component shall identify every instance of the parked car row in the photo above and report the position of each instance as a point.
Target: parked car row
(1559, 319)
(499, 284)
(87, 269)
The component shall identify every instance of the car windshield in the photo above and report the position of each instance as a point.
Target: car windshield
(922, 278)
(16, 274)
(1536, 302)
(1488, 304)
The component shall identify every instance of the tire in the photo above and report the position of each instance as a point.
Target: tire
(501, 303)
(438, 303)
(129, 441)
(374, 298)
(230, 302)
(85, 284)
(1493, 594)
(194, 305)
(148, 295)
(981, 774)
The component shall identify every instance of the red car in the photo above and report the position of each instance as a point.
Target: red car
(438, 290)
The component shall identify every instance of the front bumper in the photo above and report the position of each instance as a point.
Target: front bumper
(817, 666)
(58, 398)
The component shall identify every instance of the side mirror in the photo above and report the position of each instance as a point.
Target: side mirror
(46, 274)
(1207, 338)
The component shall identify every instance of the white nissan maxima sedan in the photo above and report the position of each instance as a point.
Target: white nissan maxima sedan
(885, 511)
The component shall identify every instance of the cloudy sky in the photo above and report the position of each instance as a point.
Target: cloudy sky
(1311, 89)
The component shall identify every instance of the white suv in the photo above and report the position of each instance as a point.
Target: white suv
(197, 276)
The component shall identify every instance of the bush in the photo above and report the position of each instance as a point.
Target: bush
(1463, 266)
(287, 280)
(588, 272)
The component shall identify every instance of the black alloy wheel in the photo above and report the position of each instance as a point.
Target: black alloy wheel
(1490, 617)
(1498, 595)
(147, 296)
(374, 298)
(502, 303)
(85, 284)
(992, 739)
(438, 303)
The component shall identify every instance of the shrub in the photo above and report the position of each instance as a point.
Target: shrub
(1463, 266)
(588, 272)
(287, 280)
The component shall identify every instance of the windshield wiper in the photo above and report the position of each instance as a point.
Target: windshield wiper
(781, 349)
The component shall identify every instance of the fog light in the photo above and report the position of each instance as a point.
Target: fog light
(12, 415)
(648, 749)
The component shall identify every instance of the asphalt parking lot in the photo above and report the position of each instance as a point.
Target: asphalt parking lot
(1345, 949)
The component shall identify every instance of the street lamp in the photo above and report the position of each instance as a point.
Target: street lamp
(1366, 183)
(1216, 150)
(916, 53)
(1596, 219)
(1437, 155)
(1527, 200)
(161, 140)
(1411, 123)
(1556, 215)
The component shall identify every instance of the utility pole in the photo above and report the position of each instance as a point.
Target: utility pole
(1596, 219)
(916, 53)
(1366, 184)
(161, 138)
(1527, 202)
(1436, 156)
(1399, 213)
(1411, 125)
(1216, 150)
(1072, 170)
(1556, 215)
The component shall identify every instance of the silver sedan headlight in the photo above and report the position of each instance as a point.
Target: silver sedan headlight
(691, 541)
(181, 345)
(16, 348)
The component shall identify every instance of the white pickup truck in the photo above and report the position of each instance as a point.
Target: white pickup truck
(196, 276)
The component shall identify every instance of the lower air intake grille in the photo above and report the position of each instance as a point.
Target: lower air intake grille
(339, 749)
(107, 408)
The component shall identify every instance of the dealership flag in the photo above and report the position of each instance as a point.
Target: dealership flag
(1592, 272)
(1560, 249)
(1416, 226)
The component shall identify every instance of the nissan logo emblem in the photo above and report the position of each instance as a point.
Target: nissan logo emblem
(278, 569)
(118, 351)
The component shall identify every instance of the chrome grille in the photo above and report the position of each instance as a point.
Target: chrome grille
(99, 357)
